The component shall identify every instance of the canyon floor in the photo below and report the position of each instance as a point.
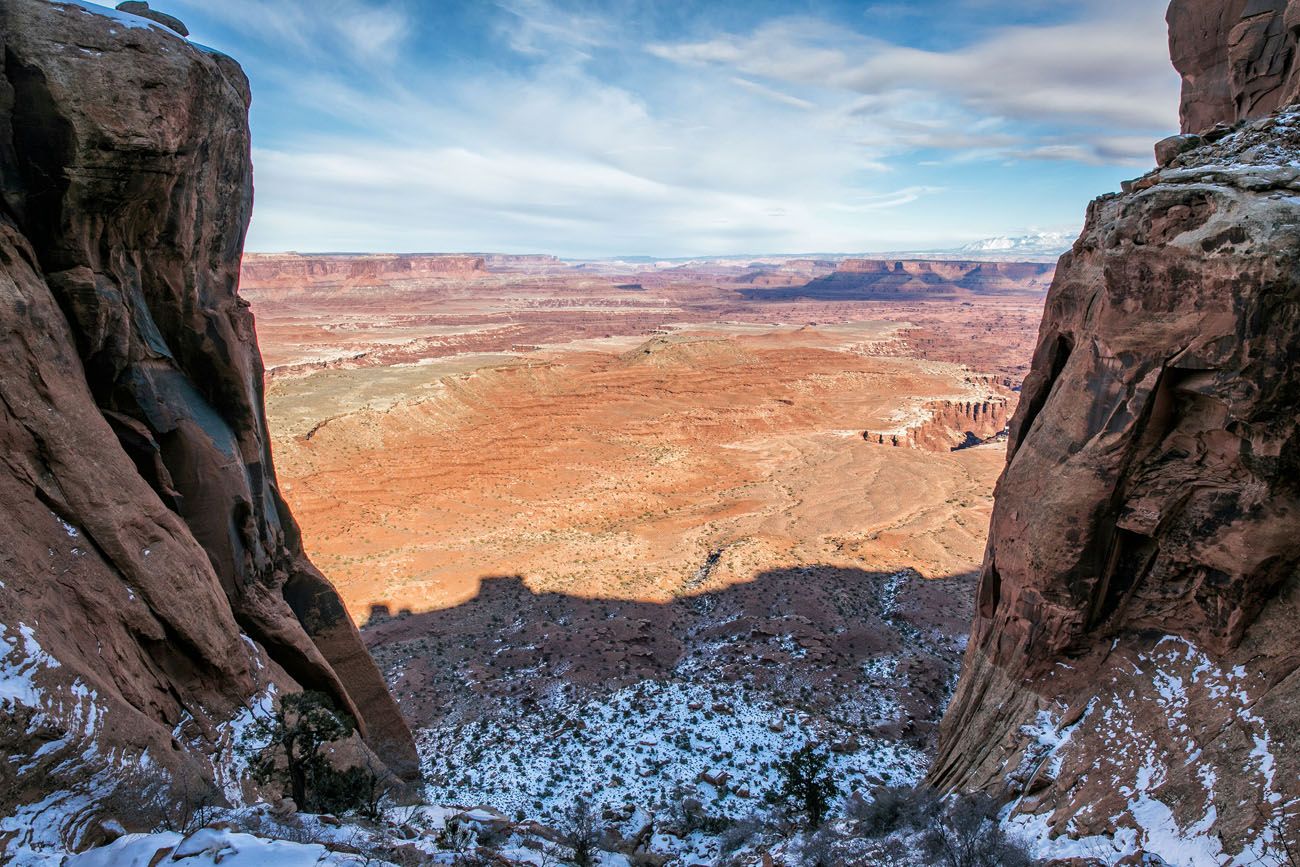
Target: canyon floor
(543, 486)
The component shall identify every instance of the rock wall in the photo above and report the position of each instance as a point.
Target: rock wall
(1132, 675)
(152, 581)
(1238, 58)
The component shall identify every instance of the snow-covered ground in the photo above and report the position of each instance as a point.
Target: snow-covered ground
(647, 746)
(1182, 685)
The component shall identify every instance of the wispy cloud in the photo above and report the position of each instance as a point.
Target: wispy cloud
(345, 30)
(585, 127)
(1099, 76)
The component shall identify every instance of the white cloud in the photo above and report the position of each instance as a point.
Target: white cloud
(536, 27)
(577, 137)
(1105, 73)
(771, 93)
(353, 30)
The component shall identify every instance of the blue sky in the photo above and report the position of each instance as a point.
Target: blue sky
(687, 128)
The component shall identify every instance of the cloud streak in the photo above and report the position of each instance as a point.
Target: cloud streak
(627, 127)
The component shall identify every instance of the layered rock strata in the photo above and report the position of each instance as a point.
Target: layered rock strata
(267, 270)
(152, 580)
(887, 279)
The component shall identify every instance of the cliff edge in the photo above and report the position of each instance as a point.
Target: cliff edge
(1132, 680)
(152, 581)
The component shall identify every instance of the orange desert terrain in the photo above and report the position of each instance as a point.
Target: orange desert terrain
(635, 431)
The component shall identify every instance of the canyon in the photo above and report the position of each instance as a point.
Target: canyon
(633, 433)
(615, 496)
(633, 530)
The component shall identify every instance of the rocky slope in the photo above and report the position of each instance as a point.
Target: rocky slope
(152, 582)
(1132, 680)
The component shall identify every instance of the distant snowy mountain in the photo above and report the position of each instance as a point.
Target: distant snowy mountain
(1038, 243)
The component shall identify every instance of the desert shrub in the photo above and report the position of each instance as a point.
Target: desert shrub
(967, 834)
(819, 850)
(688, 815)
(893, 807)
(456, 836)
(152, 800)
(581, 830)
(741, 832)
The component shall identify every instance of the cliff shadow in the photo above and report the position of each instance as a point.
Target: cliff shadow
(821, 638)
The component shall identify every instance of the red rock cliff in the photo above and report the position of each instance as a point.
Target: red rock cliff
(1133, 673)
(151, 578)
(1237, 58)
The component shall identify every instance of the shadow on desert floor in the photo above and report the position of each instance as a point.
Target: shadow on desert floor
(814, 636)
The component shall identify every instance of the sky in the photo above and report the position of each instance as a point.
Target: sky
(687, 128)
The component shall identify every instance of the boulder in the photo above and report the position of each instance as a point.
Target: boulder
(1169, 149)
(141, 8)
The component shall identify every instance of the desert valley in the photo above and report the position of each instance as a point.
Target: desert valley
(682, 479)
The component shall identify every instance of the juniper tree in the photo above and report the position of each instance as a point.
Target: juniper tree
(289, 748)
(807, 783)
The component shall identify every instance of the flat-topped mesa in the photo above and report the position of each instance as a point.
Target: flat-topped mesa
(1132, 673)
(951, 271)
(296, 269)
(521, 260)
(892, 279)
(154, 582)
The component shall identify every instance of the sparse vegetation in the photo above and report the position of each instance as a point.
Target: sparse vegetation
(807, 783)
(290, 748)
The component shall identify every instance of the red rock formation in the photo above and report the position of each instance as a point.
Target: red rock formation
(948, 425)
(1238, 58)
(275, 269)
(1132, 668)
(153, 579)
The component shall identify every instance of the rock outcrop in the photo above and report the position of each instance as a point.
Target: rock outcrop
(152, 581)
(1238, 58)
(954, 423)
(1132, 674)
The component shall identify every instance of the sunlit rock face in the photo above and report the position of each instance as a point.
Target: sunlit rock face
(151, 578)
(1237, 58)
(1132, 669)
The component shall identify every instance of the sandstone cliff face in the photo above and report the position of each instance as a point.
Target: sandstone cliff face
(1133, 671)
(1238, 58)
(951, 424)
(152, 581)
